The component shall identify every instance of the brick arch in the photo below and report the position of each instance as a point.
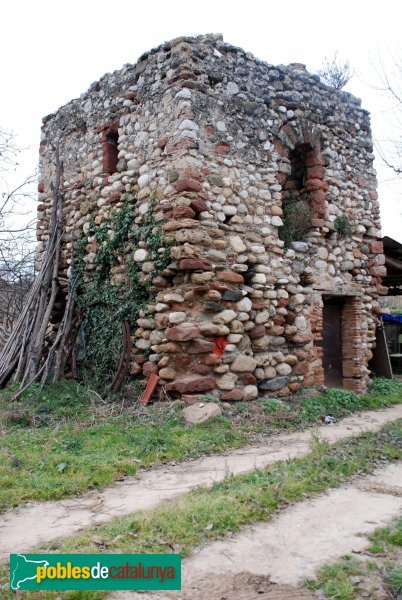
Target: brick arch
(303, 134)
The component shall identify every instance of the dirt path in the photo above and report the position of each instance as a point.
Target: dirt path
(25, 527)
(276, 556)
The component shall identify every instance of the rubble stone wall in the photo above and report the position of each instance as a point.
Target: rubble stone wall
(213, 141)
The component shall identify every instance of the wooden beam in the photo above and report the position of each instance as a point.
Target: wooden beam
(393, 262)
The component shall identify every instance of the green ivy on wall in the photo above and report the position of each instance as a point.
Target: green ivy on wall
(105, 306)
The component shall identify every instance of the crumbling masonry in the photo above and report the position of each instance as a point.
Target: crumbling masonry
(218, 144)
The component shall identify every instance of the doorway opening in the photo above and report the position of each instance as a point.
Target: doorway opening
(332, 343)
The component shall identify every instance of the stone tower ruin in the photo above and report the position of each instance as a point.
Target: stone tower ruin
(260, 267)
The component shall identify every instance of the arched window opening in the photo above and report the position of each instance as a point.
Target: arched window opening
(297, 216)
(110, 151)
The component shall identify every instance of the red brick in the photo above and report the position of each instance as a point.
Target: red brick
(249, 379)
(379, 271)
(201, 289)
(301, 368)
(198, 205)
(232, 395)
(181, 212)
(377, 247)
(276, 330)
(294, 387)
(315, 172)
(130, 95)
(192, 173)
(182, 145)
(199, 346)
(280, 148)
(230, 276)
(281, 178)
(193, 264)
(222, 148)
(301, 338)
(257, 331)
(139, 359)
(182, 333)
(313, 158)
(315, 184)
(149, 390)
(110, 150)
(258, 304)
(201, 370)
(115, 198)
(185, 184)
(317, 202)
(149, 368)
(191, 383)
(181, 361)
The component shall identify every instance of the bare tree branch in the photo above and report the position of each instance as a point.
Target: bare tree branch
(336, 73)
(389, 78)
(16, 238)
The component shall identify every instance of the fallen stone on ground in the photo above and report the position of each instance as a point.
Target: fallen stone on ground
(201, 412)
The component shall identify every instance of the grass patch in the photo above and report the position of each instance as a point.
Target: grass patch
(386, 539)
(343, 579)
(206, 514)
(244, 499)
(394, 580)
(84, 444)
(336, 579)
(62, 440)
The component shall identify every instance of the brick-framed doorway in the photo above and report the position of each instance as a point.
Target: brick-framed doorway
(340, 331)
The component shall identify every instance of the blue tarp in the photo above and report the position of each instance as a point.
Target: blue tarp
(392, 318)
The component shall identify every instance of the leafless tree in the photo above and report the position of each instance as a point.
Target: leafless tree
(388, 69)
(335, 72)
(16, 236)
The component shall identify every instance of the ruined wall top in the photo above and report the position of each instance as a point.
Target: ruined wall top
(209, 65)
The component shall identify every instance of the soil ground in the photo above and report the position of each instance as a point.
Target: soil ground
(270, 560)
(25, 527)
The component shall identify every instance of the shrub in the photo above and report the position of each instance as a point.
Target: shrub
(343, 226)
(296, 221)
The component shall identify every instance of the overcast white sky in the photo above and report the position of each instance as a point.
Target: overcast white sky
(52, 50)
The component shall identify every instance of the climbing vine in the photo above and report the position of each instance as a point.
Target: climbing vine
(103, 304)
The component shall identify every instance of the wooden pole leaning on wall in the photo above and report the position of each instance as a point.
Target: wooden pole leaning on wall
(29, 355)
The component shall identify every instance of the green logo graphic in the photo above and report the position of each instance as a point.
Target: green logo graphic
(95, 571)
